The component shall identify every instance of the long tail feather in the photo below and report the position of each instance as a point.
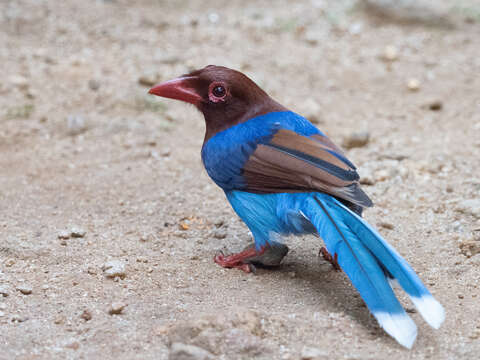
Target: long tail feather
(369, 262)
(429, 308)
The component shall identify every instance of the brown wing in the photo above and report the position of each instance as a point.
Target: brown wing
(294, 163)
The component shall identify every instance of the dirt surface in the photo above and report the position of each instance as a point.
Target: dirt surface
(109, 223)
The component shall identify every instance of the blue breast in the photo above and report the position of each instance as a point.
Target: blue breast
(225, 153)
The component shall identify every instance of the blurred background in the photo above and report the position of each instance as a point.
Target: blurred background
(108, 222)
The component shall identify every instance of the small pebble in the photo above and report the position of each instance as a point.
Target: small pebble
(356, 139)
(220, 234)
(3, 291)
(93, 84)
(25, 289)
(382, 175)
(75, 125)
(9, 262)
(3, 306)
(470, 247)
(183, 226)
(78, 232)
(469, 207)
(64, 234)
(413, 84)
(19, 318)
(386, 225)
(114, 268)
(219, 223)
(390, 53)
(310, 353)
(312, 111)
(60, 319)
(19, 81)
(180, 351)
(74, 345)
(436, 105)
(116, 308)
(86, 315)
(147, 237)
(149, 79)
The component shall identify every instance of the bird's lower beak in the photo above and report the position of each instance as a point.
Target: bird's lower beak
(179, 89)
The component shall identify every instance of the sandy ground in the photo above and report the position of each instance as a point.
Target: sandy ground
(84, 149)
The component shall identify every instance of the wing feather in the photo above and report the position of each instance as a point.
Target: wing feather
(290, 162)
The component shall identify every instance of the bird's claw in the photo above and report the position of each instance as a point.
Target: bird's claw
(232, 262)
(331, 259)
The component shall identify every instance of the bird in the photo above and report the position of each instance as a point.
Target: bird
(283, 176)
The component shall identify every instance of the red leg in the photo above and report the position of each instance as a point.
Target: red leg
(332, 260)
(238, 260)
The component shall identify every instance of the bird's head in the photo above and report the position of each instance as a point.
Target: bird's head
(225, 97)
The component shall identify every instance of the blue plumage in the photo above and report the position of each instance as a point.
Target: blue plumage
(366, 258)
(238, 142)
(283, 176)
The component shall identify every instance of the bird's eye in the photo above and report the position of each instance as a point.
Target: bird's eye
(219, 91)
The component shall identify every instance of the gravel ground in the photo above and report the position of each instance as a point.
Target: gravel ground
(109, 223)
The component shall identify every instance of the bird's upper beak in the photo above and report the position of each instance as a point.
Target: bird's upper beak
(179, 89)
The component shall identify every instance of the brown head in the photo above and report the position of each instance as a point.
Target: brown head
(226, 97)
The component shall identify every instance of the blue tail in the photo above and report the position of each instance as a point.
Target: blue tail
(370, 262)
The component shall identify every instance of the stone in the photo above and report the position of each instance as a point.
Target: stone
(17, 318)
(436, 105)
(148, 79)
(413, 84)
(93, 84)
(311, 353)
(114, 268)
(179, 351)
(356, 139)
(4, 291)
(240, 341)
(25, 289)
(64, 234)
(78, 232)
(19, 81)
(382, 175)
(386, 225)
(469, 207)
(220, 234)
(116, 308)
(312, 111)
(470, 247)
(9, 262)
(390, 53)
(86, 315)
(366, 176)
(75, 125)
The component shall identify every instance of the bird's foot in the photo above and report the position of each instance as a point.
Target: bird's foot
(331, 259)
(239, 260)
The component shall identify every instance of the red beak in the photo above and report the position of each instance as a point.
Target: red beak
(179, 89)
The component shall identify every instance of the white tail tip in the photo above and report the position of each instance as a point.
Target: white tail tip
(398, 326)
(430, 309)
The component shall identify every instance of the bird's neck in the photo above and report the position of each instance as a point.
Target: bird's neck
(216, 123)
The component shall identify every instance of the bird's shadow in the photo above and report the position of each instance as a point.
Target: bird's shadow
(324, 282)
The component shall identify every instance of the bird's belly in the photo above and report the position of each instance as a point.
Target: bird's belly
(270, 215)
